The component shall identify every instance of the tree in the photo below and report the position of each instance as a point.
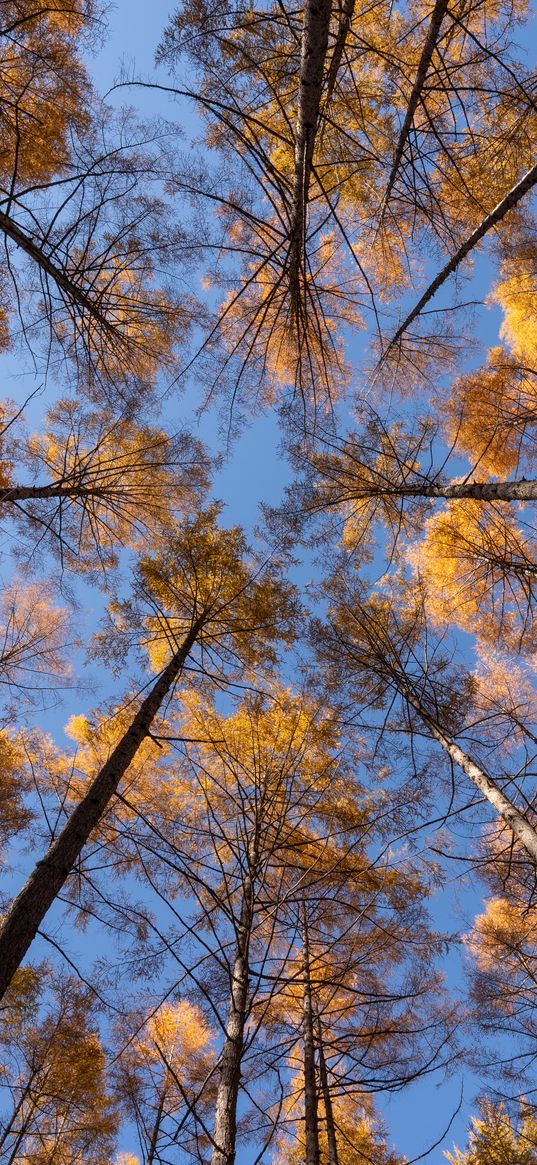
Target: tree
(57, 1103)
(201, 592)
(108, 482)
(161, 1077)
(494, 1138)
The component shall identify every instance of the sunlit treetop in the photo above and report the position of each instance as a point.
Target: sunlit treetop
(477, 564)
(495, 1139)
(44, 89)
(206, 575)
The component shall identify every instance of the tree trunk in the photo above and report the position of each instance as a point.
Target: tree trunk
(437, 16)
(485, 491)
(28, 910)
(327, 1100)
(225, 1122)
(310, 1083)
(314, 45)
(345, 18)
(527, 182)
(70, 289)
(151, 1156)
(22, 493)
(515, 821)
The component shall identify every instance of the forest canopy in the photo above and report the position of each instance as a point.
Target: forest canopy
(268, 827)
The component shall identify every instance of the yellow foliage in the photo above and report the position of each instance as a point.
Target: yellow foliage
(206, 573)
(495, 1140)
(33, 637)
(75, 1120)
(123, 480)
(500, 932)
(477, 567)
(517, 297)
(489, 411)
(142, 327)
(178, 1032)
(44, 89)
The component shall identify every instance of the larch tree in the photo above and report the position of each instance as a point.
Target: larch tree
(202, 595)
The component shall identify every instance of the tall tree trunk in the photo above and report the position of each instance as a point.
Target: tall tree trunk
(431, 41)
(28, 910)
(512, 198)
(310, 1083)
(151, 1156)
(485, 491)
(22, 493)
(64, 282)
(314, 45)
(345, 17)
(515, 821)
(225, 1122)
(327, 1099)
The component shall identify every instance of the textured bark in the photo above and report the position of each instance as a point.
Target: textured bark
(310, 1084)
(327, 1100)
(28, 910)
(515, 821)
(314, 45)
(225, 1122)
(70, 289)
(508, 203)
(486, 491)
(437, 16)
(22, 493)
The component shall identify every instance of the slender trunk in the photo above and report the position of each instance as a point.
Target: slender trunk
(485, 491)
(327, 1100)
(346, 15)
(156, 1129)
(431, 40)
(225, 1122)
(314, 45)
(310, 1083)
(28, 910)
(515, 821)
(7, 1130)
(500, 210)
(21, 493)
(70, 289)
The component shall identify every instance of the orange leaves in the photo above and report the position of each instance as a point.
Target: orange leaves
(477, 567)
(491, 413)
(178, 1037)
(109, 481)
(44, 89)
(504, 938)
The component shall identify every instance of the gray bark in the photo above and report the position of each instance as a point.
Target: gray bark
(437, 16)
(225, 1122)
(314, 45)
(23, 493)
(327, 1100)
(28, 910)
(500, 210)
(346, 15)
(485, 491)
(515, 821)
